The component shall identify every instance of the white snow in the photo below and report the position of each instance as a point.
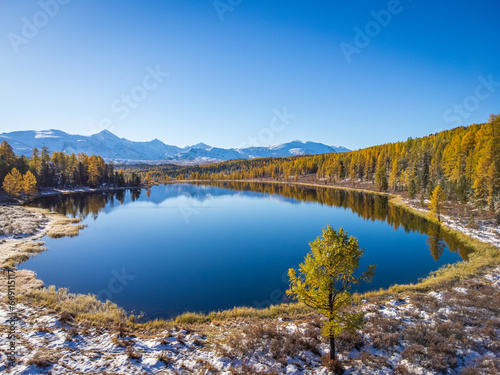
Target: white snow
(111, 147)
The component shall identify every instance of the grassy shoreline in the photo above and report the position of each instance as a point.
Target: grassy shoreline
(88, 308)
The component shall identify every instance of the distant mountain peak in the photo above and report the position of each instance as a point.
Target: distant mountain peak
(105, 135)
(201, 145)
(105, 132)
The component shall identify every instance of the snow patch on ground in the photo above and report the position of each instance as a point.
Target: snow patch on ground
(75, 349)
(486, 231)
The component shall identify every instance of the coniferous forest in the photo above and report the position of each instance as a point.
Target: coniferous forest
(464, 161)
(20, 174)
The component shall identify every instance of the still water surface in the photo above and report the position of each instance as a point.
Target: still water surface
(186, 247)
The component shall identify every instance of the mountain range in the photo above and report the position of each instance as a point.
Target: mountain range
(121, 150)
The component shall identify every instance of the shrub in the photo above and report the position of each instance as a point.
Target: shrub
(402, 370)
(66, 317)
(167, 360)
(423, 335)
(347, 341)
(384, 332)
(332, 365)
(272, 338)
(449, 329)
(131, 354)
(41, 360)
(414, 353)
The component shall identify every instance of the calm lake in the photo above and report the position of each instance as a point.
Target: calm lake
(186, 247)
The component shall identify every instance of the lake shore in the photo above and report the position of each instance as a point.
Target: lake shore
(56, 339)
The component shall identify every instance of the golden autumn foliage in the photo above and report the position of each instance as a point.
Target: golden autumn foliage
(44, 169)
(12, 183)
(29, 183)
(464, 161)
(324, 280)
(436, 203)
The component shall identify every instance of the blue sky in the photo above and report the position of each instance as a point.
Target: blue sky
(235, 73)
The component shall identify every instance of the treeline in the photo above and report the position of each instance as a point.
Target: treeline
(150, 173)
(464, 161)
(45, 169)
(222, 170)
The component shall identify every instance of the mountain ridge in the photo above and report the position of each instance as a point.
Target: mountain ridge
(122, 150)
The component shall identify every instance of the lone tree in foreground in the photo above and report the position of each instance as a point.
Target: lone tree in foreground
(436, 203)
(325, 278)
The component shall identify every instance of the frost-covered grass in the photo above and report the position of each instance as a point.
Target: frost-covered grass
(274, 311)
(84, 307)
(65, 227)
(21, 229)
(18, 222)
(451, 331)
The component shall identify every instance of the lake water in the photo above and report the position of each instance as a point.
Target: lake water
(185, 247)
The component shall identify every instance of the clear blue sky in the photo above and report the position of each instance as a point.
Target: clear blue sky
(73, 69)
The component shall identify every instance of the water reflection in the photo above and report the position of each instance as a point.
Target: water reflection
(368, 206)
(436, 243)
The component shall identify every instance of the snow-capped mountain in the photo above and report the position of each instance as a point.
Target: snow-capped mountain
(111, 147)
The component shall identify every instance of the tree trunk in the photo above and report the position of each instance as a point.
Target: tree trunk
(332, 337)
(332, 348)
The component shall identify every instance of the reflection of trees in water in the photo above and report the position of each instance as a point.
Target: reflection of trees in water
(135, 194)
(365, 205)
(436, 243)
(120, 196)
(81, 205)
(368, 206)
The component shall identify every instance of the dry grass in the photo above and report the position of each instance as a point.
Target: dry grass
(165, 358)
(82, 307)
(285, 311)
(19, 221)
(65, 227)
(21, 252)
(22, 228)
(42, 359)
(272, 338)
(332, 365)
(131, 354)
(384, 332)
(473, 325)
